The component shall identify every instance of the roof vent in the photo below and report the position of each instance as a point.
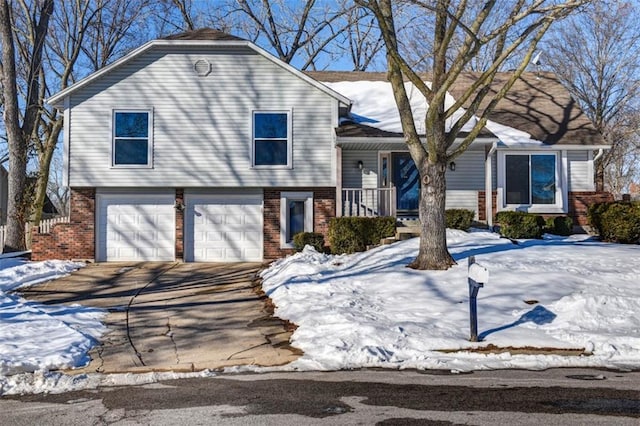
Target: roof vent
(202, 67)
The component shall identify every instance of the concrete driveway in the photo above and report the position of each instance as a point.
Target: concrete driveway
(175, 316)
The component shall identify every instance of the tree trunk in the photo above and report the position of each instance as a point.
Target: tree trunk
(40, 190)
(16, 140)
(433, 253)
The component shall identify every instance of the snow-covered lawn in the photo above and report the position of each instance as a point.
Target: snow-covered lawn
(370, 310)
(37, 337)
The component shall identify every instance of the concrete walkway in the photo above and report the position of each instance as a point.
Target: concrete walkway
(175, 316)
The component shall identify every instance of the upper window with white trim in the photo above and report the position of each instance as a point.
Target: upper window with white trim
(272, 139)
(531, 179)
(132, 145)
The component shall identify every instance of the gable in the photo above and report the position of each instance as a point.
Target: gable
(177, 45)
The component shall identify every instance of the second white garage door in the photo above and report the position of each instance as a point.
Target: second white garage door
(223, 228)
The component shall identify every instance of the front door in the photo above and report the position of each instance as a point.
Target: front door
(407, 182)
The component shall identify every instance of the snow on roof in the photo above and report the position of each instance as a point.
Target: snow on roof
(373, 105)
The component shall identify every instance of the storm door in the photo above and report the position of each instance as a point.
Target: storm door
(407, 182)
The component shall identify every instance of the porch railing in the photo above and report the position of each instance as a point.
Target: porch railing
(369, 202)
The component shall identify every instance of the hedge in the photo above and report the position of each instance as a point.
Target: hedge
(520, 224)
(559, 225)
(617, 221)
(314, 239)
(353, 234)
(459, 218)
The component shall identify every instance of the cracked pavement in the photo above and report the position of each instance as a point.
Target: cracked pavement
(174, 316)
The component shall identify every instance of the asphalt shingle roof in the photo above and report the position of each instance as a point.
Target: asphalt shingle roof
(537, 104)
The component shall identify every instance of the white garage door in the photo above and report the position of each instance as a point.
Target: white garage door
(223, 228)
(136, 227)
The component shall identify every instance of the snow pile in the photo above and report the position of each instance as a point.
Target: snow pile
(36, 337)
(374, 105)
(370, 310)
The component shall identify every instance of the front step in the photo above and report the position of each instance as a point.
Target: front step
(408, 228)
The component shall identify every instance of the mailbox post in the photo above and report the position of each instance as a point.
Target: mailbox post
(477, 277)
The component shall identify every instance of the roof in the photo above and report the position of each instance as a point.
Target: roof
(537, 104)
(204, 34)
(205, 37)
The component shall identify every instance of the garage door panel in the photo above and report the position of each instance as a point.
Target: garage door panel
(136, 227)
(223, 228)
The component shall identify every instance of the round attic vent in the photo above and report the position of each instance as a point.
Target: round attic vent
(202, 67)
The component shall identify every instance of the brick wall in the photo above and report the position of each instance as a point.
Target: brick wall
(579, 202)
(76, 239)
(482, 205)
(73, 240)
(324, 208)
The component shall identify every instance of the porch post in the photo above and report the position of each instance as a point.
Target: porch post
(488, 187)
(338, 181)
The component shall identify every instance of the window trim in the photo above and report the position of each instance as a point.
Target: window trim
(285, 197)
(149, 138)
(289, 114)
(558, 207)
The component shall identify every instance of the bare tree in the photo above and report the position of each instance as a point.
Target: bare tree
(291, 29)
(20, 126)
(84, 36)
(527, 22)
(596, 55)
(363, 39)
(58, 192)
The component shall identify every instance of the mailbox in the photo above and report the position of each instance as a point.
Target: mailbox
(478, 276)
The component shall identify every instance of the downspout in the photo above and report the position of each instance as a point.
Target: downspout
(488, 187)
(598, 155)
(593, 169)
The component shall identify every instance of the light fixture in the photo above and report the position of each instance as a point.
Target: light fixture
(179, 205)
(452, 166)
(360, 164)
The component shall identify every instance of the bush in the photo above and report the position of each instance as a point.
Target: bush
(616, 222)
(353, 234)
(520, 224)
(559, 225)
(314, 239)
(459, 218)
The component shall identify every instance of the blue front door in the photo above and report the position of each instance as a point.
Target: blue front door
(407, 182)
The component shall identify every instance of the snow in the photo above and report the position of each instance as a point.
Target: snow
(36, 337)
(370, 310)
(374, 105)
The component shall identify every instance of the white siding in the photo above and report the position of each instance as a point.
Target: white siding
(462, 200)
(469, 173)
(352, 176)
(202, 125)
(579, 171)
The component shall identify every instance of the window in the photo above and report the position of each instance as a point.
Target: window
(296, 215)
(131, 138)
(530, 179)
(271, 139)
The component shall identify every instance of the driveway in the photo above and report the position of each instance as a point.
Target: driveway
(175, 316)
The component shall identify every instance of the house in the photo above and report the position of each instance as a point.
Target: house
(536, 153)
(204, 147)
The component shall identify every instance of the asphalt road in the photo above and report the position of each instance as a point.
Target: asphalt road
(558, 397)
